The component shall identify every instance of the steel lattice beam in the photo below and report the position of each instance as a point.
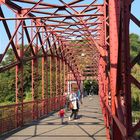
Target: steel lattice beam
(101, 30)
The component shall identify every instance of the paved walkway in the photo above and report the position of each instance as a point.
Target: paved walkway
(89, 126)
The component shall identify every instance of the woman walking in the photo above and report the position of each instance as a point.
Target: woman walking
(74, 101)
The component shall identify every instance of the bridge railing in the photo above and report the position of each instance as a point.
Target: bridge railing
(16, 115)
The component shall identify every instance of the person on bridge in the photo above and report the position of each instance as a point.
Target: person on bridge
(61, 114)
(74, 101)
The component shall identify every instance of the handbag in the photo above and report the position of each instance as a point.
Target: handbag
(70, 106)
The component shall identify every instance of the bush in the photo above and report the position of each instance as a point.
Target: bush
(95, 87)
(91, 86)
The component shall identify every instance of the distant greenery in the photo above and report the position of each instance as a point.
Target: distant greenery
(135, 50)
(135, 45)
(135, 91)
(91, 87)
(7, 80)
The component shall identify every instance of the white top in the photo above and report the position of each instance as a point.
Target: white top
(73, 97)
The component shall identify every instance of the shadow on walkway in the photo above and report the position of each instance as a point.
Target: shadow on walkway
(88, 126)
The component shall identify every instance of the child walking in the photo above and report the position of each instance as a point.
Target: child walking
(61, 114)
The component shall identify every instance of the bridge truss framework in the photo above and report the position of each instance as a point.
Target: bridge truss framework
(51, 31)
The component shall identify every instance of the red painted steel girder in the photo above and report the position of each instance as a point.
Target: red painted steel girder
(116, 79)
(53, 30)
(49, 34)
(56, 23)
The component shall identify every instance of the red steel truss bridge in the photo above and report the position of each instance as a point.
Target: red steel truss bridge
(69, 40)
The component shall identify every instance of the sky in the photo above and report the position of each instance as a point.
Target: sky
(3, 39)
(135, 11)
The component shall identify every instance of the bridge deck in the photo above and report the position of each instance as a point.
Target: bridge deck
(89, 126)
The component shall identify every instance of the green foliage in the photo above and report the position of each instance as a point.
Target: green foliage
(136, 117)
(135, 50)
(87, 86)
(135, 45)
(28, 96)
(7, 79)
(136, 71)
(95, 87)
(135, 91)
(91, 86)
(7, 92)
(135, 98)
(9, 57)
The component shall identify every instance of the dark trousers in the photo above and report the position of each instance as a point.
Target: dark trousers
(74, 112)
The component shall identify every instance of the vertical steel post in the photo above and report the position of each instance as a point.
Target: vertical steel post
(64, 76)
(59, 82)
(50, 97)
(35, 80)
(56, 61)
(127, 82)
(114, 9)
(46, 93)
(43, 84)
(107, 53)
(56, 94)
(19, 80)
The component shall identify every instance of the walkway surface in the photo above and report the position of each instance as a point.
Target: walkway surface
(89, 125)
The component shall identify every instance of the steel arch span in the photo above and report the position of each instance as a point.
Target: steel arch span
(58, 40)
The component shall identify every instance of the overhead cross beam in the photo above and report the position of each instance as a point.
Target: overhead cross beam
(57, 34)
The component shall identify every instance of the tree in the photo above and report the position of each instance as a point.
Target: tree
(134, 51)
(7, 80)
(135, 45)
(91, 86)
